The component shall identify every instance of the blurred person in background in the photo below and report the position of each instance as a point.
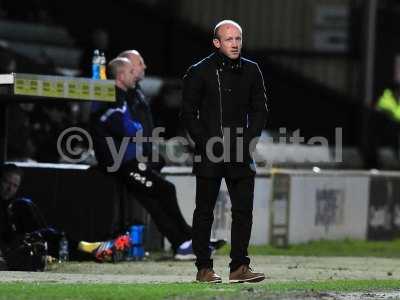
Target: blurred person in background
(222, 92)
(20, 218)
(155, 194)
(140, 107)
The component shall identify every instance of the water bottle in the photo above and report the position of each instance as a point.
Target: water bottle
(96, 64)
(63, 251)
(103, 66)
(136, 235)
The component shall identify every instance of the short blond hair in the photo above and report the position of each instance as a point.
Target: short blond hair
(127, 53)
(114, 66)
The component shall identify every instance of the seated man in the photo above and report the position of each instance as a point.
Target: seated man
(20, 218)
(113, 127)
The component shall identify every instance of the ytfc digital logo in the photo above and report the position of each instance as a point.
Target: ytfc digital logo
(74, 145)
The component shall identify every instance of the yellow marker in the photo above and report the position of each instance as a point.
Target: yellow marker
(88, 247)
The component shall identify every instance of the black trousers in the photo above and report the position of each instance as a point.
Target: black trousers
(241, 192)
(158, 196)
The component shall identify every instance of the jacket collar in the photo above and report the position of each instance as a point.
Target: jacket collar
(120, 95)
(225, 63)
(134, 90)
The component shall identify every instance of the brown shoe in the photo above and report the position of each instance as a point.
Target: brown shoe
(245, 274)
(208, 275)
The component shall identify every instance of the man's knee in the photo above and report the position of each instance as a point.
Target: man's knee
(204, 212)
(242, 212)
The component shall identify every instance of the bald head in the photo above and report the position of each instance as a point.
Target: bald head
(137, 62)
(128, 53)
(224, 24)
(121, 70)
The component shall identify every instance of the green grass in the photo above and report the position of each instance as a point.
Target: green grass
(193, 291)
(47, 291)
(330, 248)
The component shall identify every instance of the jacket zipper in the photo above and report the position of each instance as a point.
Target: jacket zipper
(220, 106)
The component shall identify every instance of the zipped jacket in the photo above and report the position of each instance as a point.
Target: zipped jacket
(141, 112)
(224, 101)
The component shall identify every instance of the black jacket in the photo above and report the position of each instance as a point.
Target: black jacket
(221, 95)
(141, 112)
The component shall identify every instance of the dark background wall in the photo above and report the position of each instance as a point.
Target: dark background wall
(87, 204)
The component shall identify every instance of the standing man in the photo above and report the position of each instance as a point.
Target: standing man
(224, 110)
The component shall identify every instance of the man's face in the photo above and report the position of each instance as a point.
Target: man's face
(9, 185)
(127, 76)
(229, 41)
(139, 66)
